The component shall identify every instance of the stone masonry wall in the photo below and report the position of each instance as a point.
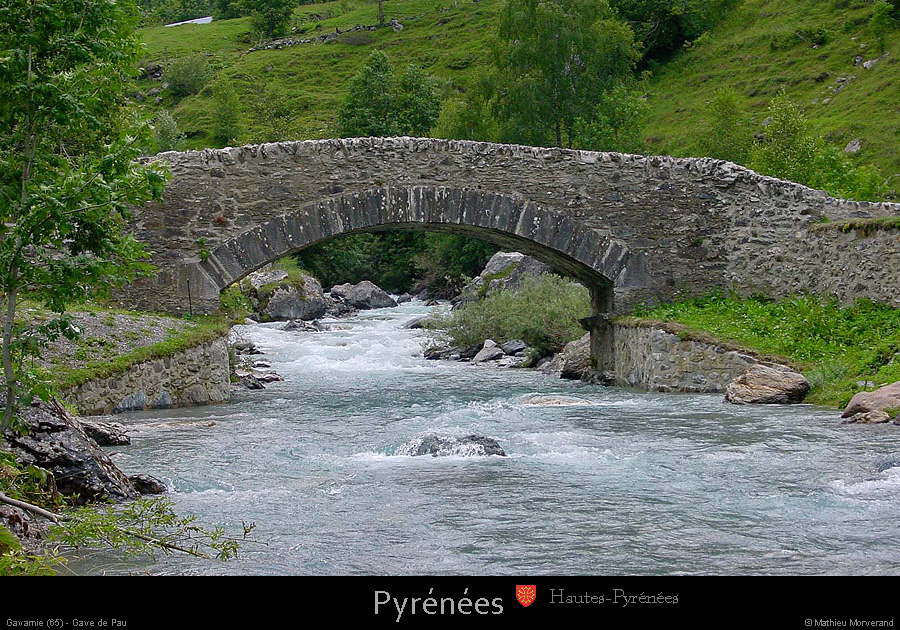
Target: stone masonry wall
(196, 376)
(654, 359)
(672, 227)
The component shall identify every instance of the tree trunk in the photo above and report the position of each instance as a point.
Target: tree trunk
(380, 12)
(9, 375)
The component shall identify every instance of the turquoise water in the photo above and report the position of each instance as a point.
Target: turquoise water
(596, 481)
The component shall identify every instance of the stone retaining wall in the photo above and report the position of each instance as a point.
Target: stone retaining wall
(654, 359)
(196, 376)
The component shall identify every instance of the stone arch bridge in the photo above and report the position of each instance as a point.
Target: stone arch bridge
(631, 228)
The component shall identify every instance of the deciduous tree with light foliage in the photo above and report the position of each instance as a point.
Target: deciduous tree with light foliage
(68, 174)
(554, 58)
(268, 17)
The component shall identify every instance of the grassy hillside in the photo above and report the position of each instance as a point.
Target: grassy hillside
(808, 48)
(447, 38)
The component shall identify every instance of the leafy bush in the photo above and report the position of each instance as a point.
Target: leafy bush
(188, 75)
(543, 312)
(226, 113)
(727, 133)
(234, 304)
(268, 18)
(882, 21)
(663, 26)
(617, 123)
(166, 132)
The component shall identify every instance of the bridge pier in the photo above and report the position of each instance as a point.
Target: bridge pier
(598, 324)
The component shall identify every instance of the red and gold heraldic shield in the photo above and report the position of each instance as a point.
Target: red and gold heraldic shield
(526, 594)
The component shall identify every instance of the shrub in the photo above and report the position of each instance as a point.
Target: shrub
(166, 132)
(727, 134)
(268, 18)
(188, 75)
(226, 113)
(543, 312)
(791, 151)
(882, 21)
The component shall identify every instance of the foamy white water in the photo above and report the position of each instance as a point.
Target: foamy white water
(596, 480)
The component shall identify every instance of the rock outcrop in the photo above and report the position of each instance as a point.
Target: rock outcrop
(574, 361)
(505, 270)
(56, 441)
(767, 384)
(277, 295)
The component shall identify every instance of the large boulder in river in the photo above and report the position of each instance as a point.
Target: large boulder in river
(574, 362)
(436, 445)
(505, 270)
(285, 302)
(886, 399)
(767, 384)
(363, 295)
(279, 295)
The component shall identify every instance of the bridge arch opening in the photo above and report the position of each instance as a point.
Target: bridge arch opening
(592, 257)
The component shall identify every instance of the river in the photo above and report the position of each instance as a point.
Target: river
(597, 480)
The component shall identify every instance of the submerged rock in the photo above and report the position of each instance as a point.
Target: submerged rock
(147, 484)
(767, 384)
(298, 325)
(435, 445)
(868, 417)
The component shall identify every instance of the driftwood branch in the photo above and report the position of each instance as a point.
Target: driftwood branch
(56, 518)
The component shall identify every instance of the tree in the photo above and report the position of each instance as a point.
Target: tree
(663, 26)
(268, 17)
(790, 150)
(616, 124)
(881, 22)
(554, 58)
(68, 174)
(380, 104)
(726, 135)
(226, 113)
